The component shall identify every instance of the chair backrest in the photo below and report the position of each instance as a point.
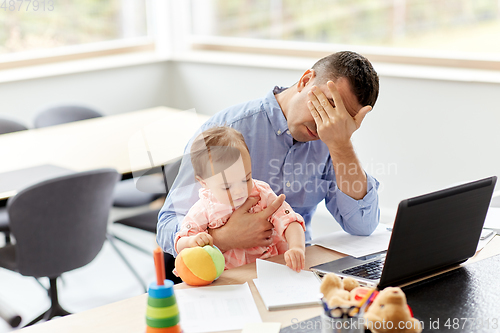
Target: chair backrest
(171, 171)
(60, 224)
(147, 187)
(9, 126)
(64, 114)
(158, 180)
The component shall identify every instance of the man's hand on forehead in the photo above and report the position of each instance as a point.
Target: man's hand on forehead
(335, 125)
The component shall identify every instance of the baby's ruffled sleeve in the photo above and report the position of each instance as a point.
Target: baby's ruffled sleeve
(195, 221)
(284, 215)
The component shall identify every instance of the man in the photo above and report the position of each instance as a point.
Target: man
(299, 140)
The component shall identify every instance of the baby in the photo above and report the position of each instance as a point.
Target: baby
(222, 166)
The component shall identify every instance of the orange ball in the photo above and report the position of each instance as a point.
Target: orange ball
(199, 266)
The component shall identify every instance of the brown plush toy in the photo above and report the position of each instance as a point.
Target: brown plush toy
(349, 283)
(389, 312)
(336, 292)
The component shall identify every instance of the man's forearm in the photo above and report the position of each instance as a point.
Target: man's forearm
(166, 229)
(350, 176)
(220, 238)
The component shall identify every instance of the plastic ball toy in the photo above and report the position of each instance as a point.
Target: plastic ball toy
(199, 266)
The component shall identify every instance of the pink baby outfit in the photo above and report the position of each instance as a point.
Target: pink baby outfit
(209, 213)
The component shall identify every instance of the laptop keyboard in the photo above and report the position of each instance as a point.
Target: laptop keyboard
(371, 270)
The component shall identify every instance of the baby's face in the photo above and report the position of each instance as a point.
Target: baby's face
(232, 186)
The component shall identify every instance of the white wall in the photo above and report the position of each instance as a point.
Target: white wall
(112, 91)
(210, 88)
(422, 135)
(436, 133)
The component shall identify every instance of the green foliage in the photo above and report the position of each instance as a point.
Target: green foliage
(376, 22)
(403, 23)
(70, 22)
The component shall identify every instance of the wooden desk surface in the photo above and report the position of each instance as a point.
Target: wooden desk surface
(128, 316)
(119, 141)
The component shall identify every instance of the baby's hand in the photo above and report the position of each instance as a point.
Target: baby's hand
(295, 259)
(201, 239)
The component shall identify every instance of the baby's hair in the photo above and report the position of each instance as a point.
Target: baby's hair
(216, 149)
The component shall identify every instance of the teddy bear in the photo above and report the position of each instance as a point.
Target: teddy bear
(389, 312)
(336, 291)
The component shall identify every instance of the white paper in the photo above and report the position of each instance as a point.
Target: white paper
(262, 328)
(492, 219)
(356, 246)
(216, 308)
(280, 287)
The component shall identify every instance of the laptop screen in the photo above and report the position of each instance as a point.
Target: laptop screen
(436, 230)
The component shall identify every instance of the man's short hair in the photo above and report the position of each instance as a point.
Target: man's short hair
(356, 68)
(216, 149)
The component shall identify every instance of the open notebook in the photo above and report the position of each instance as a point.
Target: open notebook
(282, 288)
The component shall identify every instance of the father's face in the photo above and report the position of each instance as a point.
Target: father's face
(300, 121)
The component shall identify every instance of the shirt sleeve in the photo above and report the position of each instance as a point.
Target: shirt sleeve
(356, 217)
(194, 222)
(284, 215)
(181, 197)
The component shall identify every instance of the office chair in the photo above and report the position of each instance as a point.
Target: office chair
(148, 188)
(64, 114)
(142, 191)
(126, 194)
(8, 126)
(4, 224)
(8, 315)
(59, 225)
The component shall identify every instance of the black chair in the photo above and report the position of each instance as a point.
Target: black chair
(62, 114)
(150, 187)
(8, 126)
(69, 113)
(59, 225)
(4, 224)
(146, 189)
(9, 316)
(47, 117)
(153, 185)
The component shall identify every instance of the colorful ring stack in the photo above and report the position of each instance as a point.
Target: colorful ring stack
(162, 313)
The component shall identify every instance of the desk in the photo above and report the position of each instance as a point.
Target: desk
(128, 316)
(119, 141)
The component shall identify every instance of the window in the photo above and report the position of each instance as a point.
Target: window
(36, 25)
(465, 29)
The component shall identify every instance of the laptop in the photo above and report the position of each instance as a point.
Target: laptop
(431, 233)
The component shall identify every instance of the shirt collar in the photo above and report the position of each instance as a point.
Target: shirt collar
(274, 112)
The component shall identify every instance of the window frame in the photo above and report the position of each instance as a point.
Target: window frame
(155, 44)
(388, 55)
(76, 52)
(173, 40)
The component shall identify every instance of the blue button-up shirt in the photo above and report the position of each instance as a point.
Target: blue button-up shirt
(302, 171)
